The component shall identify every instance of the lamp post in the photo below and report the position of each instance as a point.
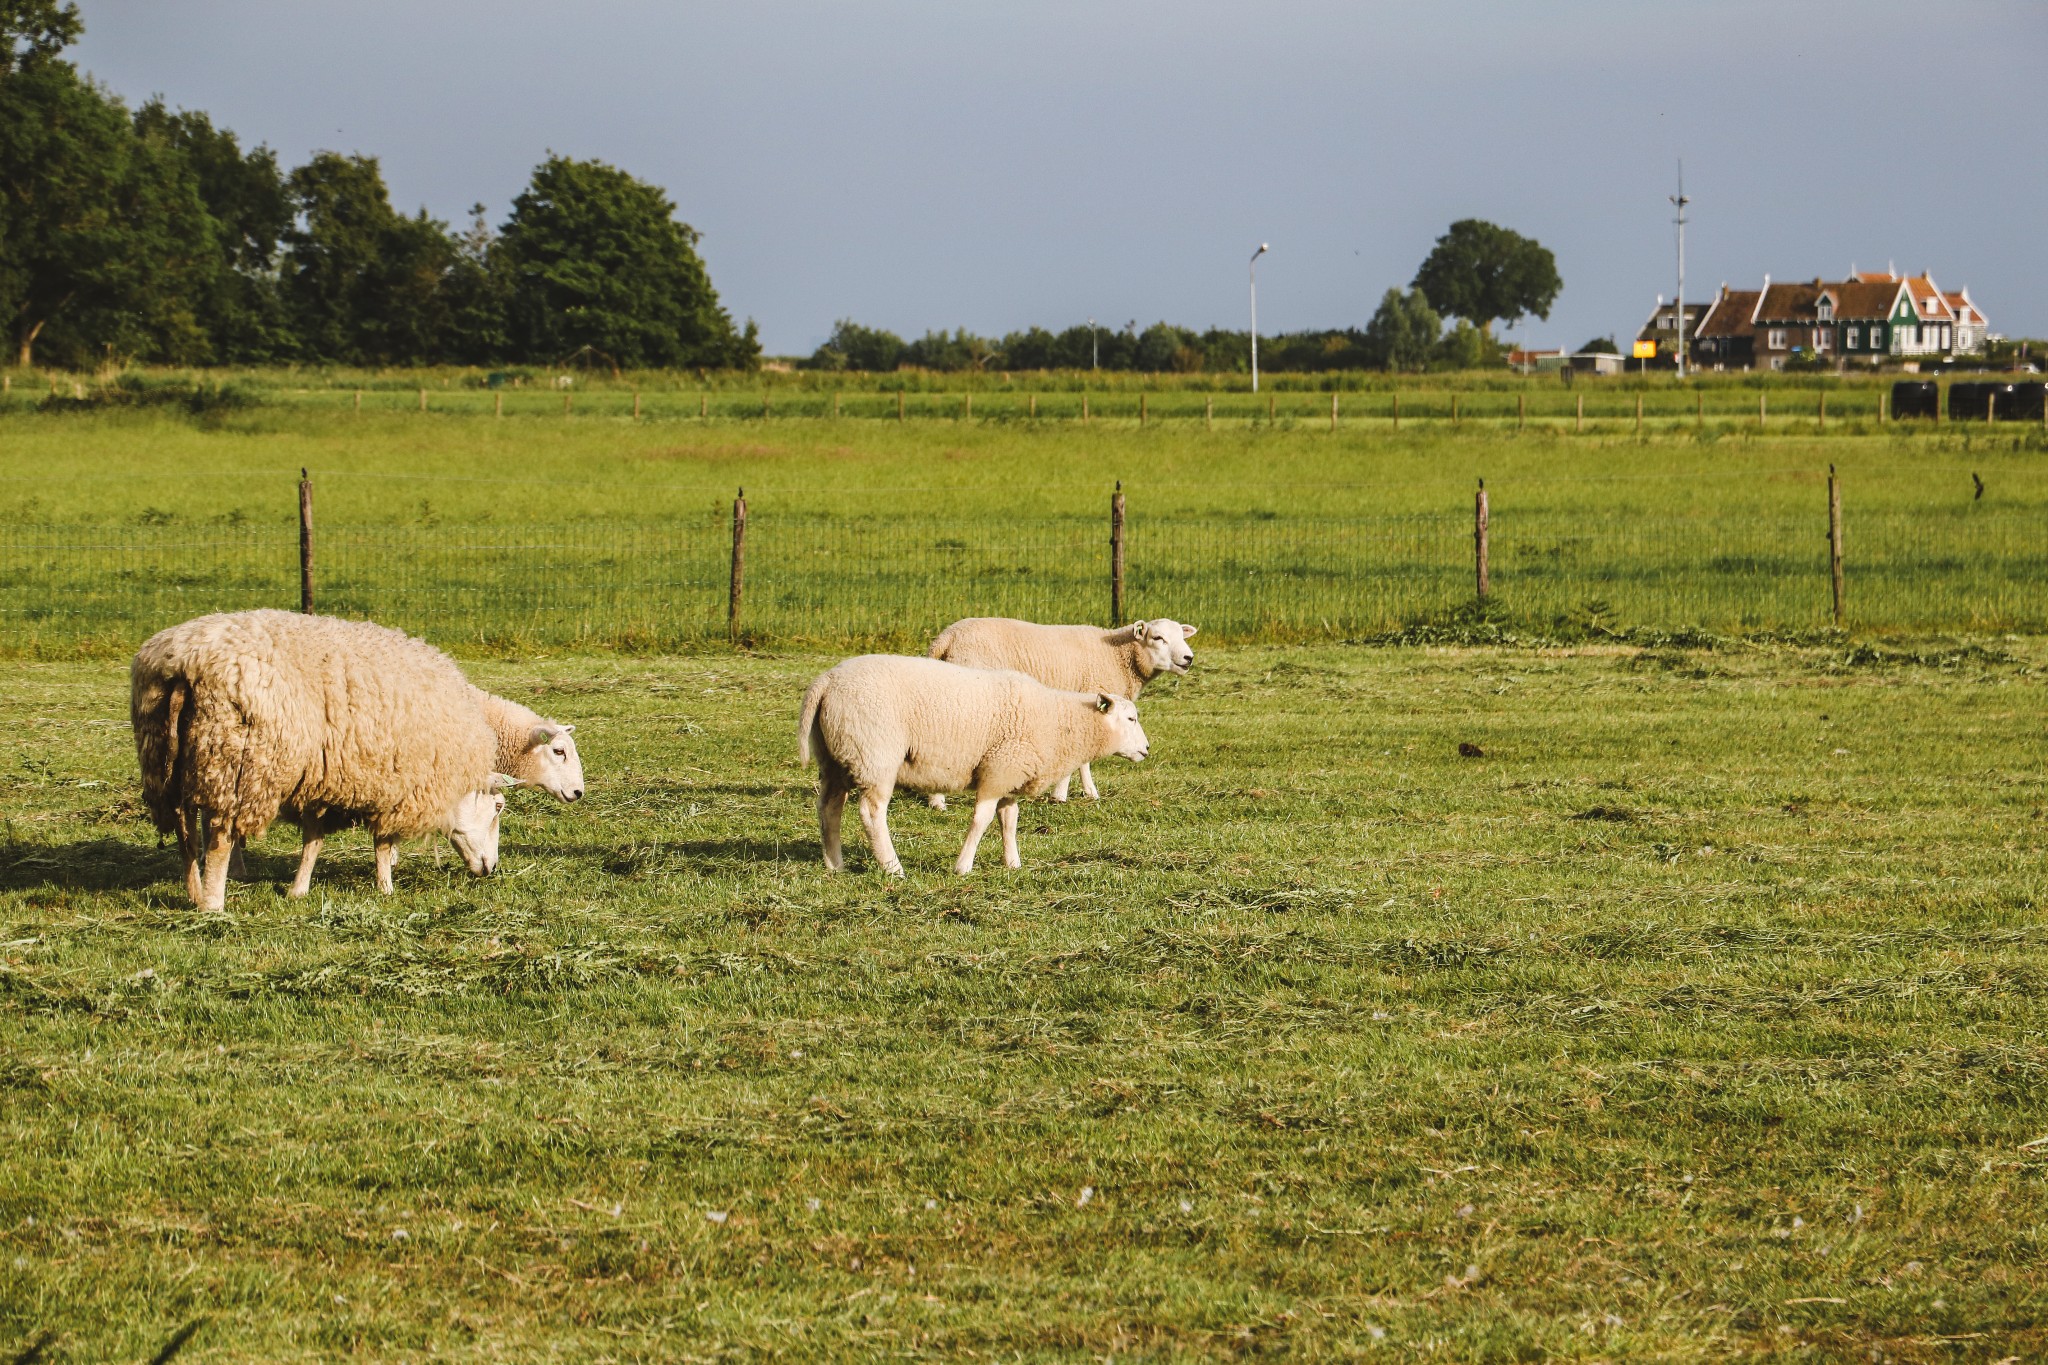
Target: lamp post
(1094, 351)
(1679, 201)
(1255, 314)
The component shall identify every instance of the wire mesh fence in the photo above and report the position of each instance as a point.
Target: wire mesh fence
(893, 580)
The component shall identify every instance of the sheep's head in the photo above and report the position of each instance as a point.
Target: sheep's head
(473, 825)
(1165, 644)
(1126, 736)
(552, 762)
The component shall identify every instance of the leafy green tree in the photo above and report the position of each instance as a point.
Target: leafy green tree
(1481, 273)
(1403, 332)
(854, 347)
(1465, 347)
(364, 285)
(237, 302)
(34, 31)
(1161, 348)
(476, 296)
(1600, 346)
(596, 258)
(102, 233)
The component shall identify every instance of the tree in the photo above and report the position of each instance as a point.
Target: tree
(1481, 273)
(1600, 346)
(596, 258)
(1403, 332)
(854, 347)
(34, 31)
(1466, 347)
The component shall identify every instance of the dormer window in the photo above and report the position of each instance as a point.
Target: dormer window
(1826, 310)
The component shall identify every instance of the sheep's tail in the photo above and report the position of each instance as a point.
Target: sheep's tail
(944, 644)
(807, 732)
(160, 708)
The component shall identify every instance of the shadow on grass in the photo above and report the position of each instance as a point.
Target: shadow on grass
(89, 865)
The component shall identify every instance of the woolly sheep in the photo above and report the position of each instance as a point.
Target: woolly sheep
(881, 721)
(243, 717)
(1071, 658)
(536, 751)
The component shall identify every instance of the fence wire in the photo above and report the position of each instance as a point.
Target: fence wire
(893, 580)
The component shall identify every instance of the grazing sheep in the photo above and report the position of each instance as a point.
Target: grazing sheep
(882, 721)
(537, 751)
(246, 716)
(1071, 658)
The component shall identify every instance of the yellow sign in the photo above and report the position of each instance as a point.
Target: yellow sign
(1645, 350)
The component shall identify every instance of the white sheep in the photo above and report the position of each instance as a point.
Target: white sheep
(243, 717)
(1071, 658)
(537, 751)
(882, 721)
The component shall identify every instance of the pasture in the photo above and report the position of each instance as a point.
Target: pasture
(1639, 985)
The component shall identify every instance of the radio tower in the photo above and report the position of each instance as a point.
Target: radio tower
(1679, 201)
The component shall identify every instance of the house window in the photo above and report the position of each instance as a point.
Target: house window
(1777, 338)
(1853, 338)
(1826, 311)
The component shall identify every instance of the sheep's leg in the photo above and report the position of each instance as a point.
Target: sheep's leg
(874, 818)
(219, 848)
(192, 848)
(832, 790)
(937, 800)
(1088, 784)
(984, 811)
(238, 865)
(1006, 811)
(387, 855)
(1059, 793)
(309, 852)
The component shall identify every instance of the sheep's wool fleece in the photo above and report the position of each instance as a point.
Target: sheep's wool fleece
(931, 726)
(254, 714)
(1071, 658)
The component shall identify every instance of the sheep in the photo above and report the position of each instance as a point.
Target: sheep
(1072, 658)
(881, 721)
(243, 717)
(537, 751)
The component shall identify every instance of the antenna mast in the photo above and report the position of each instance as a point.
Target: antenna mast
(1679, 201)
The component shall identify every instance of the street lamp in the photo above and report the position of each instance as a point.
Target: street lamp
(1679, 201)
(1255, 314)
(1094, 351)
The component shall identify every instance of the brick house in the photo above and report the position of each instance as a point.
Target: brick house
(1866, 319)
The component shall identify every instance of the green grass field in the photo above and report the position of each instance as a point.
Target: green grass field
(1699, 1013)
(596, 531)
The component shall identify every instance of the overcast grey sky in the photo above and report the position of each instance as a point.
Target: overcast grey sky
(921, 165)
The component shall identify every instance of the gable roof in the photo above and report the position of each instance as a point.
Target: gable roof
(1965, 310)
(1729, 314)
(1928, 303)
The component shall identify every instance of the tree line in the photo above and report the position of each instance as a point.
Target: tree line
(1477, 274)
(152, 235)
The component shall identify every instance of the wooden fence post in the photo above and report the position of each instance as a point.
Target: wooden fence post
(764, 406)
(1884, 407)
(967, 407)
(739, 566)
(1034, 407)
(1823, 409)
(1333, 409)
(1397, 409)
(899, 405)
(835, 405)
(636, 405)
(305, 542)
(497, 405)
(1582, 412)
(1270, 400)
(1763, 410)
(423, 400)
(1639, 414)
(359, 400)
(1209, 412)
(1699, 410)
(568, 402)
(1454, 409)
(1479, 538)
(1116, 554)
(1835, 541)
(1521, 411)
(1084, 409)
(1141, 408)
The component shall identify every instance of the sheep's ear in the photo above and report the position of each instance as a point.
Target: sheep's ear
(1137, 629)
(503, 782)
(567, 729)
(540, 737)
(1103, 702)
(1186, 631)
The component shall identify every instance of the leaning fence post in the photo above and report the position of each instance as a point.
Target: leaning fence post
(1835, 541)
(1116, 554)
(305, 542)
(739, 566)
(1479, 545)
